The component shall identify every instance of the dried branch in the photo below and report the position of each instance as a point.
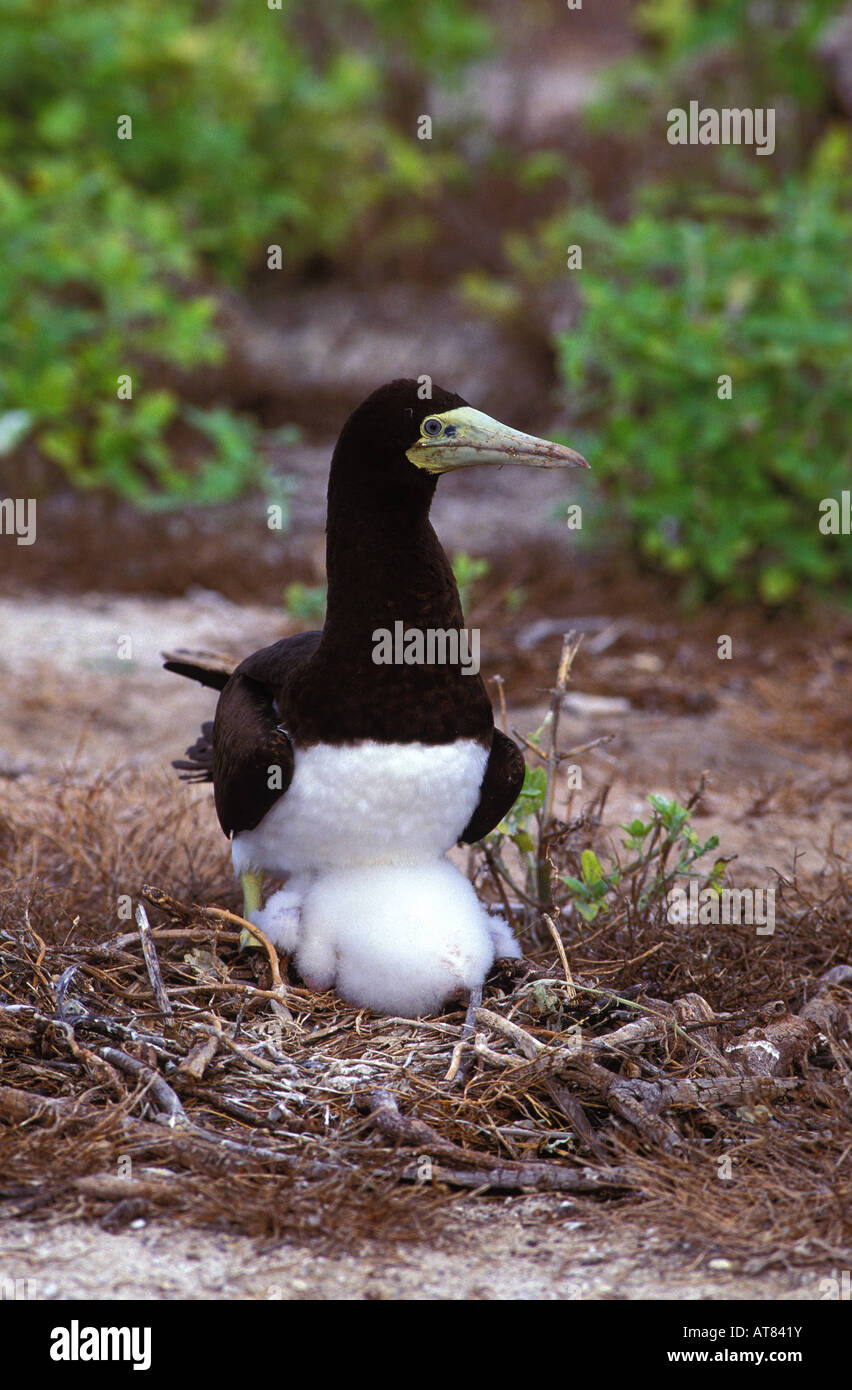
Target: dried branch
(152, 963)
(490, 1172)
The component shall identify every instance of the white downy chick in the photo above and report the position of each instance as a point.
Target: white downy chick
(396, 938)
(280, 919)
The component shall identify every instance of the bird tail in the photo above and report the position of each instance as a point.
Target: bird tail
(210, 668)
(197, 766)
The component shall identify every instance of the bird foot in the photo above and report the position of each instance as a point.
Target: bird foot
(474, 1003)
(252, 884)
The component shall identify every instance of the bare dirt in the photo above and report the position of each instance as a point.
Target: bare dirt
(523, 1248)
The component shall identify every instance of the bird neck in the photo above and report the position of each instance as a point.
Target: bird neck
(384, 567)
(387, 577)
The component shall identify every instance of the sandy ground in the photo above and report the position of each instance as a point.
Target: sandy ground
(526, 1249)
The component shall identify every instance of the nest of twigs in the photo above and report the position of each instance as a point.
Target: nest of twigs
(698, 1078)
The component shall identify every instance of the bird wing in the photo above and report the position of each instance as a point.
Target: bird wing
(246, 752)
(252, 754)
(501, 786)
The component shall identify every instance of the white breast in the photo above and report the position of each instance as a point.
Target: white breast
(367, 803)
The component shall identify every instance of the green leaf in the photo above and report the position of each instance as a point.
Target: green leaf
(592, 871)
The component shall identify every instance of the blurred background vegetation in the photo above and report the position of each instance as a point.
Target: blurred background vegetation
(297, 127)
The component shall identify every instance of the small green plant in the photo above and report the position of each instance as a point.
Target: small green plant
(518, 826)
(306, 602)
(529, 822)
(514, 599)
(664, 849)
(591, 890)
(468, 570)
(552, 876)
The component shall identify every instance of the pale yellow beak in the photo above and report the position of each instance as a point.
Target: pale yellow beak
(465, 438)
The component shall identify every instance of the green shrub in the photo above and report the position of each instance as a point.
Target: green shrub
(730, 264)
(306, 602)
(467, 571)
(725, 492)
(725, 53)
(251, 126)
(775, 39)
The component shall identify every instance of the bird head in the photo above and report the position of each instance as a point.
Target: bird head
(461, 437)
(396, 426)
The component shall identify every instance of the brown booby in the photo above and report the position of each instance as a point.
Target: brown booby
(351, 764)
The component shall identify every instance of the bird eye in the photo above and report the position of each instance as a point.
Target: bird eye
(432, 426)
